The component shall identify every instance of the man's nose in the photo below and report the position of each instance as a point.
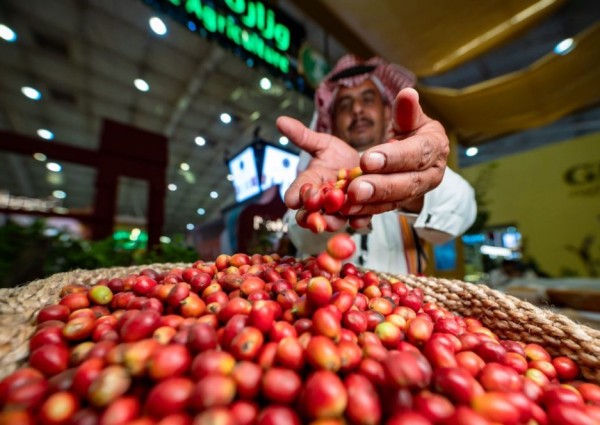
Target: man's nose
(357, 106)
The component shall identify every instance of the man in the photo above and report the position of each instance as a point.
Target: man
(367, 115)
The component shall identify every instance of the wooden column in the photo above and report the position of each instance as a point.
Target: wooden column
(124, 151)
(132, 152)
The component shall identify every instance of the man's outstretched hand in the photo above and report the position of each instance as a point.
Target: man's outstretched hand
(329, 154)
(397, 174)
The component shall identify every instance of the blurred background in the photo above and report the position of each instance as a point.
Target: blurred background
(127, 126)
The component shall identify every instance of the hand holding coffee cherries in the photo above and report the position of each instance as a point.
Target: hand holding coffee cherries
(397, 174)
(331, 162)
(324, 206)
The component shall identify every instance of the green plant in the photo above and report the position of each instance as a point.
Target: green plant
(31, 252)
(22, 251)
(66, 253)
(174, 252)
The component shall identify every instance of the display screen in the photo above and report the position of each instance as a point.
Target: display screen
(511, 240)
(245, 175)
(279, 168)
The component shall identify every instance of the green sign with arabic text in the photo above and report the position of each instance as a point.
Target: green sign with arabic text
(261, 31)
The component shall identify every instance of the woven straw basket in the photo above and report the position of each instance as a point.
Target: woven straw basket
(507, 316)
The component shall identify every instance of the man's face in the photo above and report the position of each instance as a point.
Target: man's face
(360, 116)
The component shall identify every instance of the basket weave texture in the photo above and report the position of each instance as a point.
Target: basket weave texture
(507, 316)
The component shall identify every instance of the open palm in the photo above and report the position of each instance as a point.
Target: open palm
(329, 154)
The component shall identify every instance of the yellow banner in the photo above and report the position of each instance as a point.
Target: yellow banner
(549, 89)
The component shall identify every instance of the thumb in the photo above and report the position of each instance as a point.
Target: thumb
(407, 114)
(302, 136)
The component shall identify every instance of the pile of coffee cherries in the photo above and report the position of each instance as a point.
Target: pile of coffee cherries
(263, 339)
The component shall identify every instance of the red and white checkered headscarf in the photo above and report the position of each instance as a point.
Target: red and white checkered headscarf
(350, 71)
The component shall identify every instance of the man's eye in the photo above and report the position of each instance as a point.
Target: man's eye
(369, 98)
(345, 105)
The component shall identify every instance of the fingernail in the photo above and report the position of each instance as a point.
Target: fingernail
(364, 192)
(354, 209)
(374, 161)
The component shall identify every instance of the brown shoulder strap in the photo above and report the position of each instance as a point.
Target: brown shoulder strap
(413, 251)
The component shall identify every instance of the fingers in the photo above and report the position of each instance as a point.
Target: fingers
(291, 198)
(374, 208)
(359, 222)
(382, 188)
(333, 223)
(418, 142)
(327, 151)
(328, 154)
(407, 114)
(418, 152)
(302, 136)
(405, 168)
(314, 175)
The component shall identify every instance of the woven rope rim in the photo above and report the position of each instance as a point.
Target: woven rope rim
(507, 316)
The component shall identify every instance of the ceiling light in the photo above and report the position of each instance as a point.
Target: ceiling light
(200, 141)
(38, 156)
(225, 118)
(172, 187)
(141, 85)
(164, 239)
(59, 194)
(265, 83)
(45, 134)
(157, 25)
(31, 93)
(184, 166)
(472, 151)
(283, 140)
(201, 211)
(54, 166)
(230, 177)
(7, 33)
(254, 116)
(564, 46)
(214, 195)
(189, 226)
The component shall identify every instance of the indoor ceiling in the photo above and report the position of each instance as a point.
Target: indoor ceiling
(83, 56)
(488, 70)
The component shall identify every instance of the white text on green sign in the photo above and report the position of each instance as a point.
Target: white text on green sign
(258, 24)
